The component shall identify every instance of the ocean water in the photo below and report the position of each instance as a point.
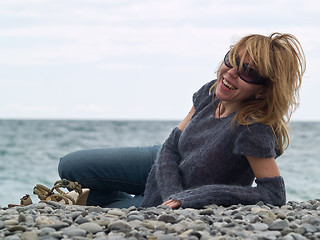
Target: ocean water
(30, 151)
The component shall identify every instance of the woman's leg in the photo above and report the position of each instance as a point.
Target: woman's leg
(112, 174)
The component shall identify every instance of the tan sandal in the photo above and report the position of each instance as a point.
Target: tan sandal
(24, 201)
(77, 196)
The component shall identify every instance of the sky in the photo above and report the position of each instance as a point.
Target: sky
(135, 59)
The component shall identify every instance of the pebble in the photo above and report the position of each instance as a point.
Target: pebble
(278, 225)
(15, 228)
(91, 227)
(52, 221)
(29, 236)
(167, 218)
(74, 232)
(119, 225)
(260, 226)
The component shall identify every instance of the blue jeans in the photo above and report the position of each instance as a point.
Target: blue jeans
(116, 177)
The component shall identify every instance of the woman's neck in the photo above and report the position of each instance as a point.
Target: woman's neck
(224, 109)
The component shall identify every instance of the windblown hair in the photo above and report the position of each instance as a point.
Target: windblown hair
(279, 58)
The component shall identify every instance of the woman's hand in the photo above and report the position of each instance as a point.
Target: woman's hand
(172, 203)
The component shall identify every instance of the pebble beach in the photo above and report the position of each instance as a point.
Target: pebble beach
(51, 220)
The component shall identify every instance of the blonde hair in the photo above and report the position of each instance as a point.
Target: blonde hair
(279, 58)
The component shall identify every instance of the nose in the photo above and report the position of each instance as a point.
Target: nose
(233, 72)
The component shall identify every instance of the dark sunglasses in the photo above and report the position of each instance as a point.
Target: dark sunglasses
(247, 74)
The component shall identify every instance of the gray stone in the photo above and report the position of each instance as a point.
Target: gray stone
(281, 215)
(260, 226)
(260, 203)
(55, 204)
(15, 228)
(294, 236)
(309, 228)
(44, 220)
(167, 218)
(57, 235)
(12, 237)
(188, 213)
(135, 217)
(48, 209)
(29, 219)
(67, 220)
(91, 227)
(279, 225)
(11, 222)
(286, 207)
(45, 231)
(207, 211)
(119, 225)
(2, 225)
(115, 237)
(50, 238)
(74, 215)
(95, 210)
(116, 212)
(56, 226)
(238, 216)
(252, 218)
(288, 237)
(22, 218)
(29, 236)
(100, 235)
(268, 235)
(80, 219)
(314, 220)
(74, 232)
(168, 237)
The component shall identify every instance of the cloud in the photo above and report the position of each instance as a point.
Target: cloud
(121, 66)
(91, 108)
(105, 42)
(74, 32)
(31, 109)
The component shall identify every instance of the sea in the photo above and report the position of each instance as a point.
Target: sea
(30, 151)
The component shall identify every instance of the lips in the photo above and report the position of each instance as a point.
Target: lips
(228, 85)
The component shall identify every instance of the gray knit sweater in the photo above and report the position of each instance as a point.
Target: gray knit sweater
(206, 164)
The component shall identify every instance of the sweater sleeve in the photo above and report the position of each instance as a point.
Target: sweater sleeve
(168, 175)
(269, 190)
(256, 140)
(202, 94)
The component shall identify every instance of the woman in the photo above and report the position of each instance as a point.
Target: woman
(232, 135)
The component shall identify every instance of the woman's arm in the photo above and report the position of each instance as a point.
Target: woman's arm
(264, 167)
(167, 171)
(182, 125)
(268, 190)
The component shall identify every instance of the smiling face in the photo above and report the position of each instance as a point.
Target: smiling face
(232, 89)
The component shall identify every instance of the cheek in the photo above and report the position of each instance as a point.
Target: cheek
(223, 69)
(250, 91)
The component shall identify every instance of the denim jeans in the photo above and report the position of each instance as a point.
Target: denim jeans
(116, 177)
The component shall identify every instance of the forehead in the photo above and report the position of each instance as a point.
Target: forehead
(244, 57)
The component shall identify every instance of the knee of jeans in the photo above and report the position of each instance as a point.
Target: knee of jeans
(62, 168)
(66, 165)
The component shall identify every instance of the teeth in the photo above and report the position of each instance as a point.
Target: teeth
(228, 85)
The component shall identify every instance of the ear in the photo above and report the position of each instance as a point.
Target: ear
(260, 94)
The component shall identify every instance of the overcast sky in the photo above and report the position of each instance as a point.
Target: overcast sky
(135, 59)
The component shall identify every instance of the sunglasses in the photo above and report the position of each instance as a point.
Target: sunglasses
(247, 74)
